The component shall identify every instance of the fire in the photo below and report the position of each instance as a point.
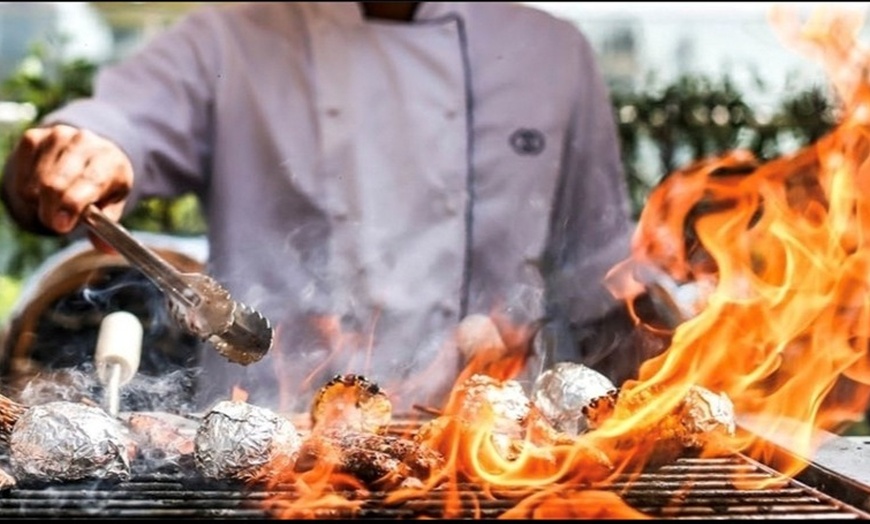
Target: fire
(574, 504)
(779, 253)
(783, 329)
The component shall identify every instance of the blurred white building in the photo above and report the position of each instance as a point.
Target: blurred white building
(65, 30)
(76, 28)
(643, 44)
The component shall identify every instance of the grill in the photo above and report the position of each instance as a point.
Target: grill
(689, 488)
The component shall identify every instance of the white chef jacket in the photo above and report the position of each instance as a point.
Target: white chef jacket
(367, 183)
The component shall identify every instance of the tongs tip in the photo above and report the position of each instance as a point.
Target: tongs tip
(248, 338)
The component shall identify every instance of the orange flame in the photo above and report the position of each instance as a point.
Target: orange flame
(784, 329)
(562, 503)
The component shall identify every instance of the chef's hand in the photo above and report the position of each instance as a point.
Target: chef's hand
(478, 337)
(55, 172)
(491, 346)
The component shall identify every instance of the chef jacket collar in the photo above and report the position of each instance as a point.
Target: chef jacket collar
(350, 13)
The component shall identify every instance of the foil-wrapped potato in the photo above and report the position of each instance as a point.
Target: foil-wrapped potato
(502, 401)
(65, 441)
(573, 397)
(237, 440)
(697, 421)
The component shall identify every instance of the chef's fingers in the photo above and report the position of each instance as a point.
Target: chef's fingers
(21, 184)
(113, 210)
(105, 179)
(57, 210)
(75, 168)
(23, 158)
(59, 158)
(478, 338)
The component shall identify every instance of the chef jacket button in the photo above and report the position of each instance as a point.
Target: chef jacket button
(450, 114)
(333, 112)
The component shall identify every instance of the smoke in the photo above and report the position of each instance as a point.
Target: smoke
(64, 340)
(169, 392)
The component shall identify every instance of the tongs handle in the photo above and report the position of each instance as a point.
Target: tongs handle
(154, 267)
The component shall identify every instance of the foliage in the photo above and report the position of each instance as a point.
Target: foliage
(696, 117)
(44, 81)
(9, 289)
(178, 216)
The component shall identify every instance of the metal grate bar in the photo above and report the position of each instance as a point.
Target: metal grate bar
(690, 488)
(72, 513)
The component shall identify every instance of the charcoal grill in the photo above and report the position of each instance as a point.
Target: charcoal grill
(689, 488)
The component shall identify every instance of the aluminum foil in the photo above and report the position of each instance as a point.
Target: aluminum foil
(501, 407)
(237, 440)
(562, 392)
(705, 414)
(64, 441)
(506, 399)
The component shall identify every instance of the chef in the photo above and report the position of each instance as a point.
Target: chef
(371, 174)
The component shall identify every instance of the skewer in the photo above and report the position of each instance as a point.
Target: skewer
(113, 389)
(119, 349)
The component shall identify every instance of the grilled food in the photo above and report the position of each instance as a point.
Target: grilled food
(482, 398)
(237, 440)
(348, 417)
(657, 429)
(161, 436)
(64, 441)
(493, 434)
(351, 403)
(499, 406)
(705, 416)
(573, 397)
(382, 461)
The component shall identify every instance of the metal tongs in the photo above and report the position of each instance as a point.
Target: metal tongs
(197, 301)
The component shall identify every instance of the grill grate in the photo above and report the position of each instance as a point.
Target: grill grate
(689, 488)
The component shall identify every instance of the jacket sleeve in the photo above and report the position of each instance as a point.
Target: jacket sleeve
(156, 105)
(591, 224)
(591, 229)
